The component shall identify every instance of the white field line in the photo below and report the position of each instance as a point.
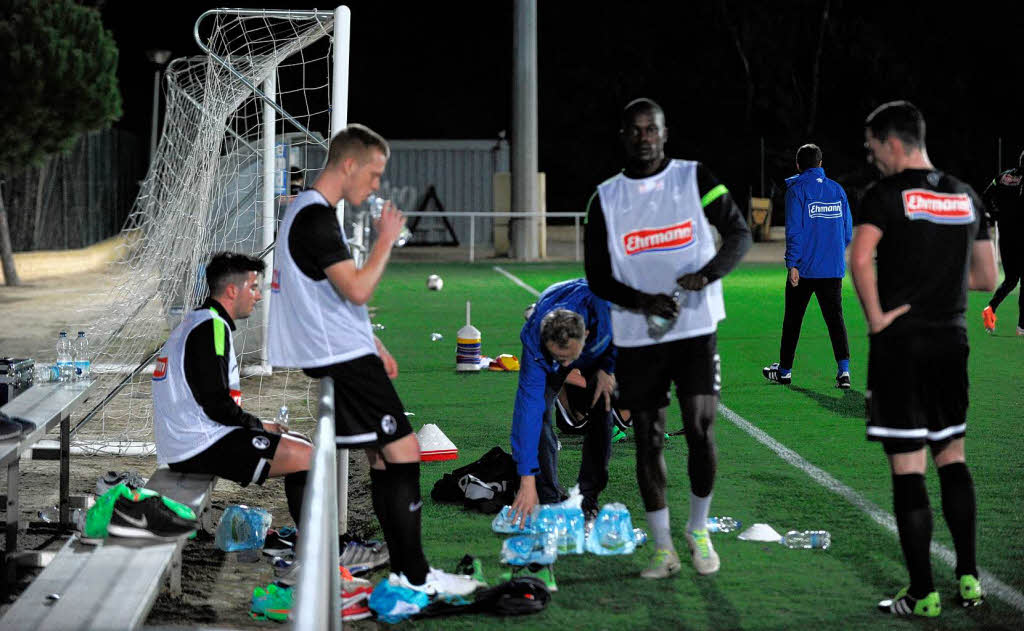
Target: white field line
(992, 585)
(516, 280)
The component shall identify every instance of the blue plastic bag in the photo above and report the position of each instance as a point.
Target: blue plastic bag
(242, 528)
(612, 532)
(394, 603)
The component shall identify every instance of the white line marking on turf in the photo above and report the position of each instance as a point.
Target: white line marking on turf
(992, 585)
(516, 280)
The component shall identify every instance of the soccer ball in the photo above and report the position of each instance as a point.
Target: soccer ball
(435, 282)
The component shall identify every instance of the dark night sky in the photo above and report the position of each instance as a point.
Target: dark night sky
(444, 70)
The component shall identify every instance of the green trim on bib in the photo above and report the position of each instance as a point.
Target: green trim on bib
(219, 330)
(713, 194)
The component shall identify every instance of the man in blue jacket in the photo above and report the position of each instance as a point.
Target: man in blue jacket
(818, 229)
(570, 328)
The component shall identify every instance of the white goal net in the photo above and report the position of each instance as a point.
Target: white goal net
(245, 124)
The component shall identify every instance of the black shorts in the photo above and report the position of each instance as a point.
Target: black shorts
(242, 456)
(645, 373)
(367, 410)
(917, 388)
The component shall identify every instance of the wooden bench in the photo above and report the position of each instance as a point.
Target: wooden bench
(112, 585)
(40, 408)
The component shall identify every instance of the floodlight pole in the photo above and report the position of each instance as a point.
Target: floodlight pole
(339, 119)
(158, 57)
(525, 194)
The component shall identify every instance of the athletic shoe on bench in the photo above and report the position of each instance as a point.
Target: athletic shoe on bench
(439, 582)
(148, 518)
(774, 374)
(110, 479)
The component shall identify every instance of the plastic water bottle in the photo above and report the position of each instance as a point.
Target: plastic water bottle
(639, 536)
(435, 337)
(526, 549)
(502, 523)
(657, 325)
(723, 524)
(282, 418)
(242, 528)
(64, 358)
(566, 523)
(816, 539)
(80, 352)
(612, 532)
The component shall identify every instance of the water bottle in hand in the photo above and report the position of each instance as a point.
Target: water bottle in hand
(816, 539)
(282, 419)
(502, 523)
(657, 325)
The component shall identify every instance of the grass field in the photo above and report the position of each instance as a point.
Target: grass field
(760, 586)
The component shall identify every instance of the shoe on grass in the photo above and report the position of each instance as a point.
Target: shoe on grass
(988, 320)
(775, 374)
(903, 604)
(843, 380)
(543, 573)
(970, 594)
(439, 582)
(663, 564)
(705, 559)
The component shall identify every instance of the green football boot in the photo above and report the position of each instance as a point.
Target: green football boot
(970, 594)
(903, 604)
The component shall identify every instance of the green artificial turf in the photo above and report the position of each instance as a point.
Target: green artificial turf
(760, 585)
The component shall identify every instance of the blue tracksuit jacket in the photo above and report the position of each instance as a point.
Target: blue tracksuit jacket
(536, 365)
(818, 225)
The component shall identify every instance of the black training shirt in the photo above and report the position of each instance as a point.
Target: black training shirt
(315, 241)
(206, 374)
(929, 222)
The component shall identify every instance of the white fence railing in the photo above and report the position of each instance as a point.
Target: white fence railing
(317, 603)
(473, 216)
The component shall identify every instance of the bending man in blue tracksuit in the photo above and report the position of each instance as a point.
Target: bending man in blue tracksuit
(569, 328)
(818, 229)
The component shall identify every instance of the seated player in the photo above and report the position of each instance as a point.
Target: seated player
(198, 421)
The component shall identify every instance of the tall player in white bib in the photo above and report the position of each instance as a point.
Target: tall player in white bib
(319, 322)
(648, 235)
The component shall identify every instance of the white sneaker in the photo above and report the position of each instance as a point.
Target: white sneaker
(439, 582)
(705, 559)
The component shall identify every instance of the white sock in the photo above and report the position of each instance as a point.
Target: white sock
(657, 521)
(699, 507)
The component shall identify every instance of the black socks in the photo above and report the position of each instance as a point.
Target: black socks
(960, 511)
(397, 502)
(294, 488)
(914, 522)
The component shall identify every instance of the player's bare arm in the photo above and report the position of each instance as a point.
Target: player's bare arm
(357, 284)
(983, 273)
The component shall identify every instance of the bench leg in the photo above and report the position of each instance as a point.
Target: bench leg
(65, 471)
(13, 519)
(174, 579)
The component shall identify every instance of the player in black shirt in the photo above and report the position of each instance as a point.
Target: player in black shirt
(932, 246)
(1004, 198)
